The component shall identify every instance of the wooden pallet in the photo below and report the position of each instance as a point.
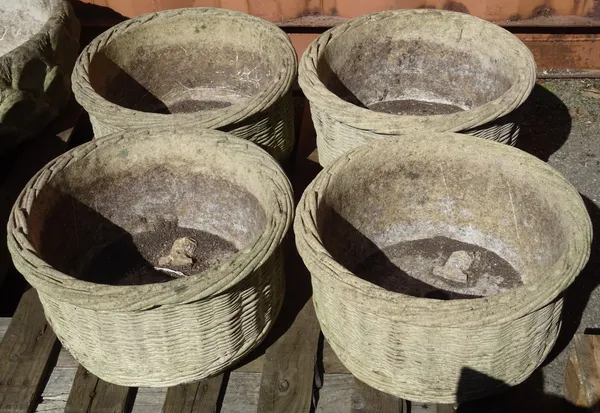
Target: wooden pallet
(582, 379)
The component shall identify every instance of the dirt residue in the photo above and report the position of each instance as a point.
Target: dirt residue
(408, 267)
(413, 107)
(134, 259)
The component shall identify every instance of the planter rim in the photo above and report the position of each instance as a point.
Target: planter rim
(459, 313)
(43, 45)
(386, 123)
(116, 115)
(208, 283)
(58, 8)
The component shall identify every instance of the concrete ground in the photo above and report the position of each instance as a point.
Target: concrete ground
(562, 126)
(578, 159)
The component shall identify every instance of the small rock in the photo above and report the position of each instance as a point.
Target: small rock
(182, 253)
(453, 269)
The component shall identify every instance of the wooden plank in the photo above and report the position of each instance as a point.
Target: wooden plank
(366, 399)
(55, 394)
(289, 363)
(90, 394)
(82, 392)
(331, 363)
(582, 378)
(336, 394)
(288, 372)
(27, 352)
(431, 408)
(241, 394)
(446, 408)
(198, 397)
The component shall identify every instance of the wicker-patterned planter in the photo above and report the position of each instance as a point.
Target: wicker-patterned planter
(37, 54)
(402, 71)
(201, 67)
(421, 186)
(164, 333)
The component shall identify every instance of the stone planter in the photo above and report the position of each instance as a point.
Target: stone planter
(201, 67)
(402, 71)
(39, 45)
(91, 230)
(356, 222)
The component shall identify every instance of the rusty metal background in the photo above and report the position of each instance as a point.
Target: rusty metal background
(302, 12)
(564, 35)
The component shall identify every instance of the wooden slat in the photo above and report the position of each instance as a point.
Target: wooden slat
(288, 373)
(27, 352)
(582, 379)
(366, 399)
(82, 392)
(432, 408)
(289, 363)
(331, 363)
(90, 394)
(198, 397)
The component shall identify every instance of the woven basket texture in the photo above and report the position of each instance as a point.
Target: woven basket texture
(265, 118)
(342, 125)
(186, 329)
(433, 350)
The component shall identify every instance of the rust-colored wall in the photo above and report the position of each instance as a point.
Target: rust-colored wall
(551, 51)
(285, 10)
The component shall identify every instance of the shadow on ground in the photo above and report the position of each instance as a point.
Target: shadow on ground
(546, 123)
(528, 397)
(577, 296)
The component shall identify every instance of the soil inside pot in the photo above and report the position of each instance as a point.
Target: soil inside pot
(412, 107)
(414, 267)
(16, 27)
(136, 259)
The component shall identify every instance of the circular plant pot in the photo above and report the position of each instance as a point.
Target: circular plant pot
(39, 45)
(83, 230)
(402, 71)
(414, 189)
(200, 67)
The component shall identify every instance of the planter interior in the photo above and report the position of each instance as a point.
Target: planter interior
(415, 213)
(409, 67)
(185, 63)
(110, 223)
(20, 20)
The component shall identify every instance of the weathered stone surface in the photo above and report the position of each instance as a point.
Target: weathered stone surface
(454, 269)
(35, 75)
